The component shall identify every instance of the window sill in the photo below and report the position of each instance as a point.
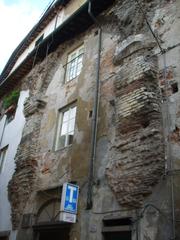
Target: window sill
(72, 80)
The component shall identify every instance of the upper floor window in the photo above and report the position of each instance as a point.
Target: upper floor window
(66, 124)
(39, 40)
(3, 152)
(74, 63)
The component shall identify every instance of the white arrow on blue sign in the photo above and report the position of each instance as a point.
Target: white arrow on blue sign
(69, 198)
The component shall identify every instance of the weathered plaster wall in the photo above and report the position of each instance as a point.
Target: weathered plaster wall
(11, 138)
(156, 213)
(130, 143)
(38, 165)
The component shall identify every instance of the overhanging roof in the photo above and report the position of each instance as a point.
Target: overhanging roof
(42, 23)
(74, 25)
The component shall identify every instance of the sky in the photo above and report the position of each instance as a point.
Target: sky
(17, 17)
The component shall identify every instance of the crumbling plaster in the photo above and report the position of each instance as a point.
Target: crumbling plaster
(115, 193)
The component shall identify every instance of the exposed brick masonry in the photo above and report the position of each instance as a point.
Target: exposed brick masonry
(27, 156)
(22, 182)
(137, 159)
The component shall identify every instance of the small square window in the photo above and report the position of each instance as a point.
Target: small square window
(3, 152)
(74, 64)
(66, 125)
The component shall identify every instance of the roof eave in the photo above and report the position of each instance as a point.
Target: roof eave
(74, 25)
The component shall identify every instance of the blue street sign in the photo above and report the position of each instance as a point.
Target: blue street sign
(69, 198)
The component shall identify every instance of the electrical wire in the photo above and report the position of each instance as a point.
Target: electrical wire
(52, 36)
(35, 56)
(168, 146)
(47, 7)
(150, 28)
(95, 112)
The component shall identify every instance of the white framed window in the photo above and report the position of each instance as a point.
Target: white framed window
(3, 153)
(74, 63)
(66, 125)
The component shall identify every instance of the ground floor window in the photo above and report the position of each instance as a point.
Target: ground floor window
(116, 229)
(117, 236)
(4, 235)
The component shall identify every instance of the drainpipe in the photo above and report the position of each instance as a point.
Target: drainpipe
(170, 161)
(94, 116)
(137, 225)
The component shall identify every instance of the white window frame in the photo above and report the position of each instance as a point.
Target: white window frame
(3, 154)
(74, 63)
(66, 121)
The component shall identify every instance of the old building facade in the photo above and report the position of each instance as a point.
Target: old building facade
(99, 108)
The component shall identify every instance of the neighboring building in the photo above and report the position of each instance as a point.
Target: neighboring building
(11, 127)
(99, 82)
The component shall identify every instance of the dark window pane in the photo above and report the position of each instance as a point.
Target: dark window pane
(117, 236)
(70, 139)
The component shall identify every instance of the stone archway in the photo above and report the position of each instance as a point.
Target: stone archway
(47, 224)
(49, 211)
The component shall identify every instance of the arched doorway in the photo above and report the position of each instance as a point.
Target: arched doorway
(47, 225)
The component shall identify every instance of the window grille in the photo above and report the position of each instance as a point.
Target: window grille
(74, 64)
